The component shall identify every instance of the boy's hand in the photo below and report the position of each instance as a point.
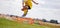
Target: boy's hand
(36, 3)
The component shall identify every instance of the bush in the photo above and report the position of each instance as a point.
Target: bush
(54, 21)
(44, 20)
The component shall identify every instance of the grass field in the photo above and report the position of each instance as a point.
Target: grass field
(4, 23)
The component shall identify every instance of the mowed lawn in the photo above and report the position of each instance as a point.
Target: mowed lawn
(4, 23)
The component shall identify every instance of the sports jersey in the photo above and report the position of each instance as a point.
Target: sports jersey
(28, 2)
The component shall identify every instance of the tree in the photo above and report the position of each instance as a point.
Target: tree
(44, 20)
(54, 21)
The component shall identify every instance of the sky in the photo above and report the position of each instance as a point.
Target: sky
(46, 9)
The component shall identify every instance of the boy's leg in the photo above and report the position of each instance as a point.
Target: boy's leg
(25, 10)
(25, 13)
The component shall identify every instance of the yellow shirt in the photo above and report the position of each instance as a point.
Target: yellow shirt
(28, 2)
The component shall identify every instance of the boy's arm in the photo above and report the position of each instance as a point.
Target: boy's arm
(22, 2)
(34, 2)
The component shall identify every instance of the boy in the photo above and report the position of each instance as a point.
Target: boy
(27, 5)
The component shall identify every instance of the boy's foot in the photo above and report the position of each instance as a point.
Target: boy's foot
(23, 15)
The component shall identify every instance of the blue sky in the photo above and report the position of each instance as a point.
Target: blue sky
(48, 9)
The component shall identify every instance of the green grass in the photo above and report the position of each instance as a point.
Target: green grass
(4, 23)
